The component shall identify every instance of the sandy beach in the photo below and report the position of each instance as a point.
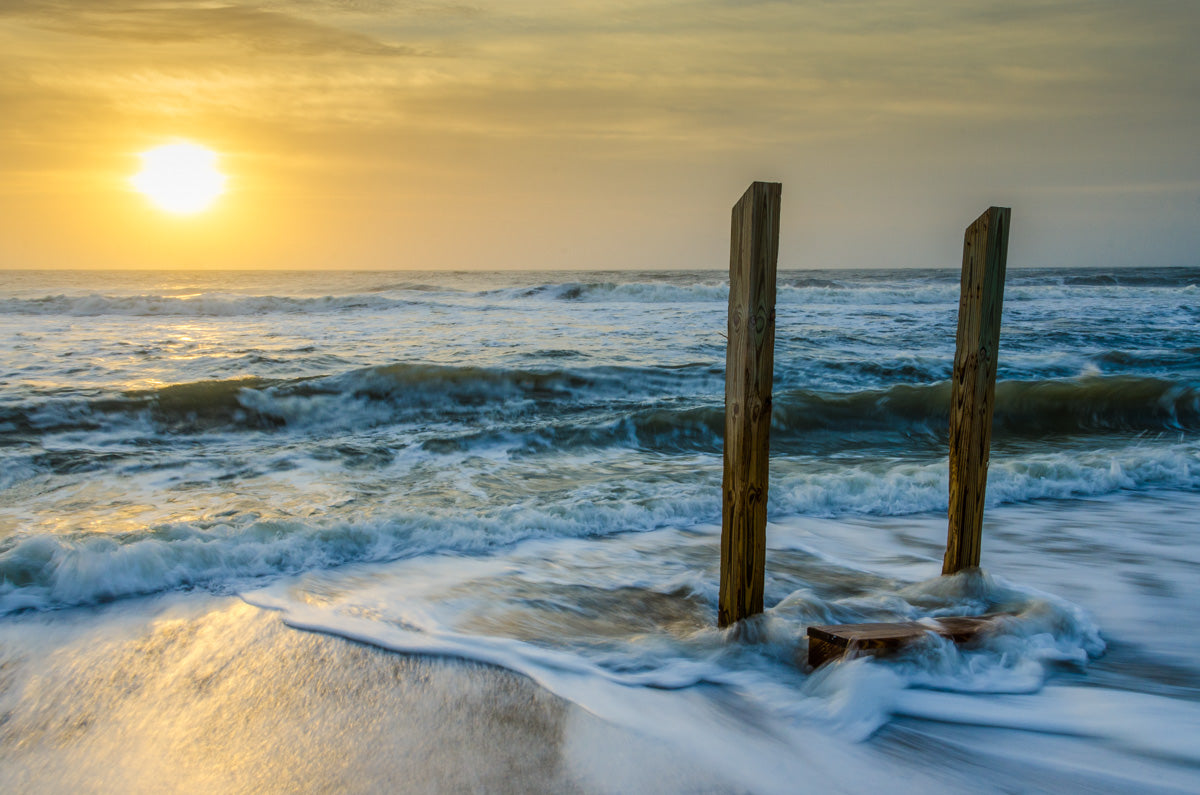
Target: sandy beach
(212, 695)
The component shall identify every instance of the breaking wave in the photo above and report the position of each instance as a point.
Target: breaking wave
(654, 408)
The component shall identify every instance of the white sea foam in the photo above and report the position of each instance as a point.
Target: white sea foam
(54, 570)
(644, 676)
(1136, 722)
(922, 487)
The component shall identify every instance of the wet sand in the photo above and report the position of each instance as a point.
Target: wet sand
(203, 694)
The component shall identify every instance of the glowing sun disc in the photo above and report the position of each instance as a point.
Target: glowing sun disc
(180, 178)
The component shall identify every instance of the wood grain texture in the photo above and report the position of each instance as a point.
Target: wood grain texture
(828, 642)
(749, 363)
(985, 254)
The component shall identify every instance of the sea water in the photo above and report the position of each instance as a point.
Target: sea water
(523, 470)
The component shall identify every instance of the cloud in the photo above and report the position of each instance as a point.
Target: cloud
(146, 23)
(868, 103)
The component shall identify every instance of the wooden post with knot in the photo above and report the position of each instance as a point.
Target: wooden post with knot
(749, 359)
(985, 254)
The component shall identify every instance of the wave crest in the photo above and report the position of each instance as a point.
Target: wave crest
(660, 409)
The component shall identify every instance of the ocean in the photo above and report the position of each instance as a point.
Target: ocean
(425, 531)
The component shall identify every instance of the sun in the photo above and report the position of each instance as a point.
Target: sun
(180, 178)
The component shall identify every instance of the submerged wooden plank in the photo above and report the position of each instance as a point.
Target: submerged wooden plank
(830, 641)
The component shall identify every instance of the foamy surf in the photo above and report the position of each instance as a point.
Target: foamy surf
(259, 537)
(610, 628)
(506, 488)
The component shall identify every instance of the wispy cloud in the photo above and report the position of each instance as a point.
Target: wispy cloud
(875, 100)
(141, 22)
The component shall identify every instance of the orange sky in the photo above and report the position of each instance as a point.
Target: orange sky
(373, 135)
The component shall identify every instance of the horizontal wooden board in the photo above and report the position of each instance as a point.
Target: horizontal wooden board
(831, 641)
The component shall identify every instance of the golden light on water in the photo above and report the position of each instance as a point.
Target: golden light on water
(180, 178)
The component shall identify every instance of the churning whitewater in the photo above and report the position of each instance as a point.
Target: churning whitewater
(523, 470)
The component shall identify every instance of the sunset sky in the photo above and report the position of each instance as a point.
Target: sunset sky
(588, 134)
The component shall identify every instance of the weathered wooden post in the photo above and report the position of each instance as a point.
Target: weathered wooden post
(749, 361)
(985, 252)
